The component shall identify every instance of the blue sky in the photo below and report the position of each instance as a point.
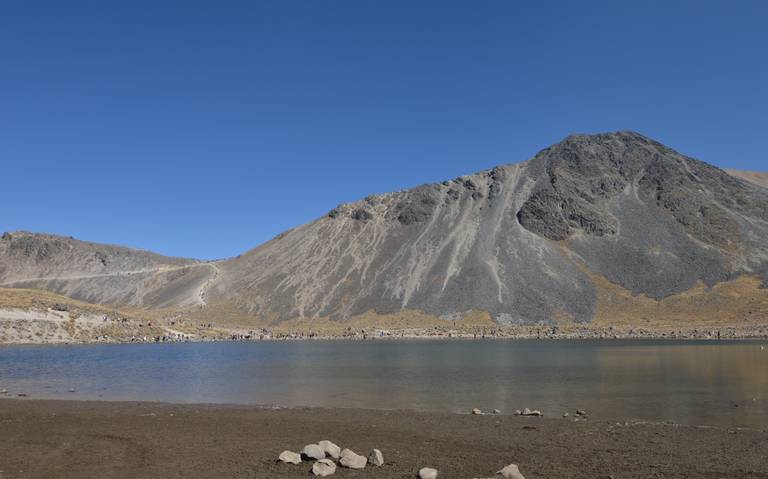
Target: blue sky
(205, 128)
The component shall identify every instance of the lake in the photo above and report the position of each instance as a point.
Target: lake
(691, 382)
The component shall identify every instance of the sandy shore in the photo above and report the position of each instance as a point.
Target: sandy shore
(69, 439)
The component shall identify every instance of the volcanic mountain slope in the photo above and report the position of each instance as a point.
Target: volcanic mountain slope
(608, 227)
(99, 273)
(526, 242)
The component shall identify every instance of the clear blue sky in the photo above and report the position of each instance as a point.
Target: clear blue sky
(205, 128)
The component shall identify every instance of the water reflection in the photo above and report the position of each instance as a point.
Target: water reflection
(689, 382)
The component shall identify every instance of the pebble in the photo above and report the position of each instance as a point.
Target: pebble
(427, 473)
(323, 467)
(496, 411)
(289, 457)
(477, 412)
(376, 458)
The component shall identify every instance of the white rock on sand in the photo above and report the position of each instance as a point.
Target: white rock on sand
(477, 412)
(323, 467)
(511, 472)
(427, 473)
(313, 451)
(376, 458)
(289, 457)
(330, 449)
(528, 412)
(351, 460)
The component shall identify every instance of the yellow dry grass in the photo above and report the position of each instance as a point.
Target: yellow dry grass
(737, 302)
(39, 300)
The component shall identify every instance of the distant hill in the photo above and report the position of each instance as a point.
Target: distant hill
(100, 273)
(760, 179)
(608, 228)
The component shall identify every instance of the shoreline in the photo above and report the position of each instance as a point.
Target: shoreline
(544, 416)
(533, 332)
(69, 439)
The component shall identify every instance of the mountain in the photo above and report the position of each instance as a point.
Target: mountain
(99, 273)
(760, 179)
(610, 228)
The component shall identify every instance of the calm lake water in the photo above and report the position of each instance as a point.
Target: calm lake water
(719, 383)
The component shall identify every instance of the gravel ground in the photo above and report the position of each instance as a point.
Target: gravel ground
(70, 439)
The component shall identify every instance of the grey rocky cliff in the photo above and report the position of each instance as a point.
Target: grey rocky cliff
(510, 241)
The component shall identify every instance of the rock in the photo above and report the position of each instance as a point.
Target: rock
(351, 460)
(376, 458)
(71, 390)
(565, 414)
(477, 412)
(323, 467)
(3, 391)
(427, 473)
(496, 411)
(518, 412)
(313, 451)
(528, 412)
(330, 449)
(579, 412)
(511, 472)
(289, 457)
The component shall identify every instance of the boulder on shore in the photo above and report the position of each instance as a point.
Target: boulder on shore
(289, 457)
(330, 449)
(352, 460)
(376, 458)
(323, 467)
(427, 473)
(313, 451)
(510, 472)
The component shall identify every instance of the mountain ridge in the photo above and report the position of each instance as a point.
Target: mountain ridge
(525, 243)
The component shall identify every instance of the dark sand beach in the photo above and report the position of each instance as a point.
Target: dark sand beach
(83, 439)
